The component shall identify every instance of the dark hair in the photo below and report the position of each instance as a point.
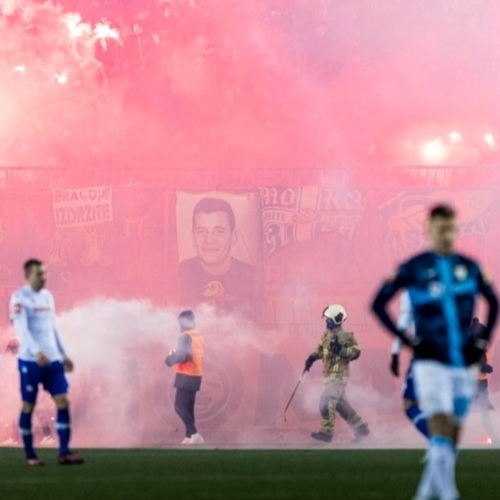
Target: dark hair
(29, 264)
(445, 211)
(187, 315)
(211, 205)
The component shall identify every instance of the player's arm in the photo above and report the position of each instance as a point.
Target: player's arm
(487, 290)
(59, 343)
(183, 352)
(386, 293)
(68, 364)
(397, 347)
(19, 320)
(405, 322)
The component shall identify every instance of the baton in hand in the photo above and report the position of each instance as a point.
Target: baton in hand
(293, 394)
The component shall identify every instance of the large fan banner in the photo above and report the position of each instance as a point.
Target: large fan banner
(297, 214)
(219, 244)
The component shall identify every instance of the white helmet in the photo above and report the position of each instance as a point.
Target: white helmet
(336, 313)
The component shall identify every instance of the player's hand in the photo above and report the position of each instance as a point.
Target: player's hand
(13, 346)
(42, 360)
(475, 350)
(68, 365)
(395, 365)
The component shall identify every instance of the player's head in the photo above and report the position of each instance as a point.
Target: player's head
(214, 231)
(443, 229)
(187, 320)
(34, 272)
(334, 316)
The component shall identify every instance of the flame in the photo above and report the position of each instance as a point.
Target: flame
(434, 152)
(61, 78)
(75, 26)
(490, 140)
(103, 30)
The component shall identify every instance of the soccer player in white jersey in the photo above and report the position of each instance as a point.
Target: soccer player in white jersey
(42, 360)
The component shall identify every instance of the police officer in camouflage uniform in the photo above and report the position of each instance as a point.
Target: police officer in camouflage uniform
(337, 348)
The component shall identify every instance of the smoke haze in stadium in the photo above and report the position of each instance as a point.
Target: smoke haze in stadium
(282, 82)
(228, 85)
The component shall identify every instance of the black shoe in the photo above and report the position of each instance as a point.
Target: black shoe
(322, 436)
(360, 434)
(70, 459)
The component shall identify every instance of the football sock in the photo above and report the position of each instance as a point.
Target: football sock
(427, 487)
(26, 434)
(442, 462)
(418, 419)
(63, 430)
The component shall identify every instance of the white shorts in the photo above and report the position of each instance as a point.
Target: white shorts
(444, 389)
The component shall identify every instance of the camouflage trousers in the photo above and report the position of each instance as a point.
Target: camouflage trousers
(333, 400)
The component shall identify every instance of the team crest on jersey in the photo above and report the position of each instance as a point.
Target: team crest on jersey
(16, 309)
(461, 272)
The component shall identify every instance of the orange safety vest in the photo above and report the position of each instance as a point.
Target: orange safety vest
(193, 367)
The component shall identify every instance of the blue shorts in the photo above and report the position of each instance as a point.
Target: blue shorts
(409, 385)
(51, 377)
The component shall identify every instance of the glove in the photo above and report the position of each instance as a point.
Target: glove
(309, 362)
(475, 350)
(13, 346)
(395, 365)
(487, 368)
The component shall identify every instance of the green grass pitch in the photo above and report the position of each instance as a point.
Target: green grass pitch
(243, 474)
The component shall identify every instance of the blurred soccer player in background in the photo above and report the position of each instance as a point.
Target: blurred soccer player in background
(443, 286)
(188, 358)
(482, 400)
(337, 348)
(410, 403)
(42, 360)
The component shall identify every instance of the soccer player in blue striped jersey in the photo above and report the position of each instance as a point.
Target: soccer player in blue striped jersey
(42, 360)
(443, 286)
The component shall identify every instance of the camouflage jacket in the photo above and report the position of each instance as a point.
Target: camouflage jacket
(336, 366)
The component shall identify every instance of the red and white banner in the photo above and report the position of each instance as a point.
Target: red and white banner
(82, 207)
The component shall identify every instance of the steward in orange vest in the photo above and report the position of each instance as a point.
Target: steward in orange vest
(188, 361)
